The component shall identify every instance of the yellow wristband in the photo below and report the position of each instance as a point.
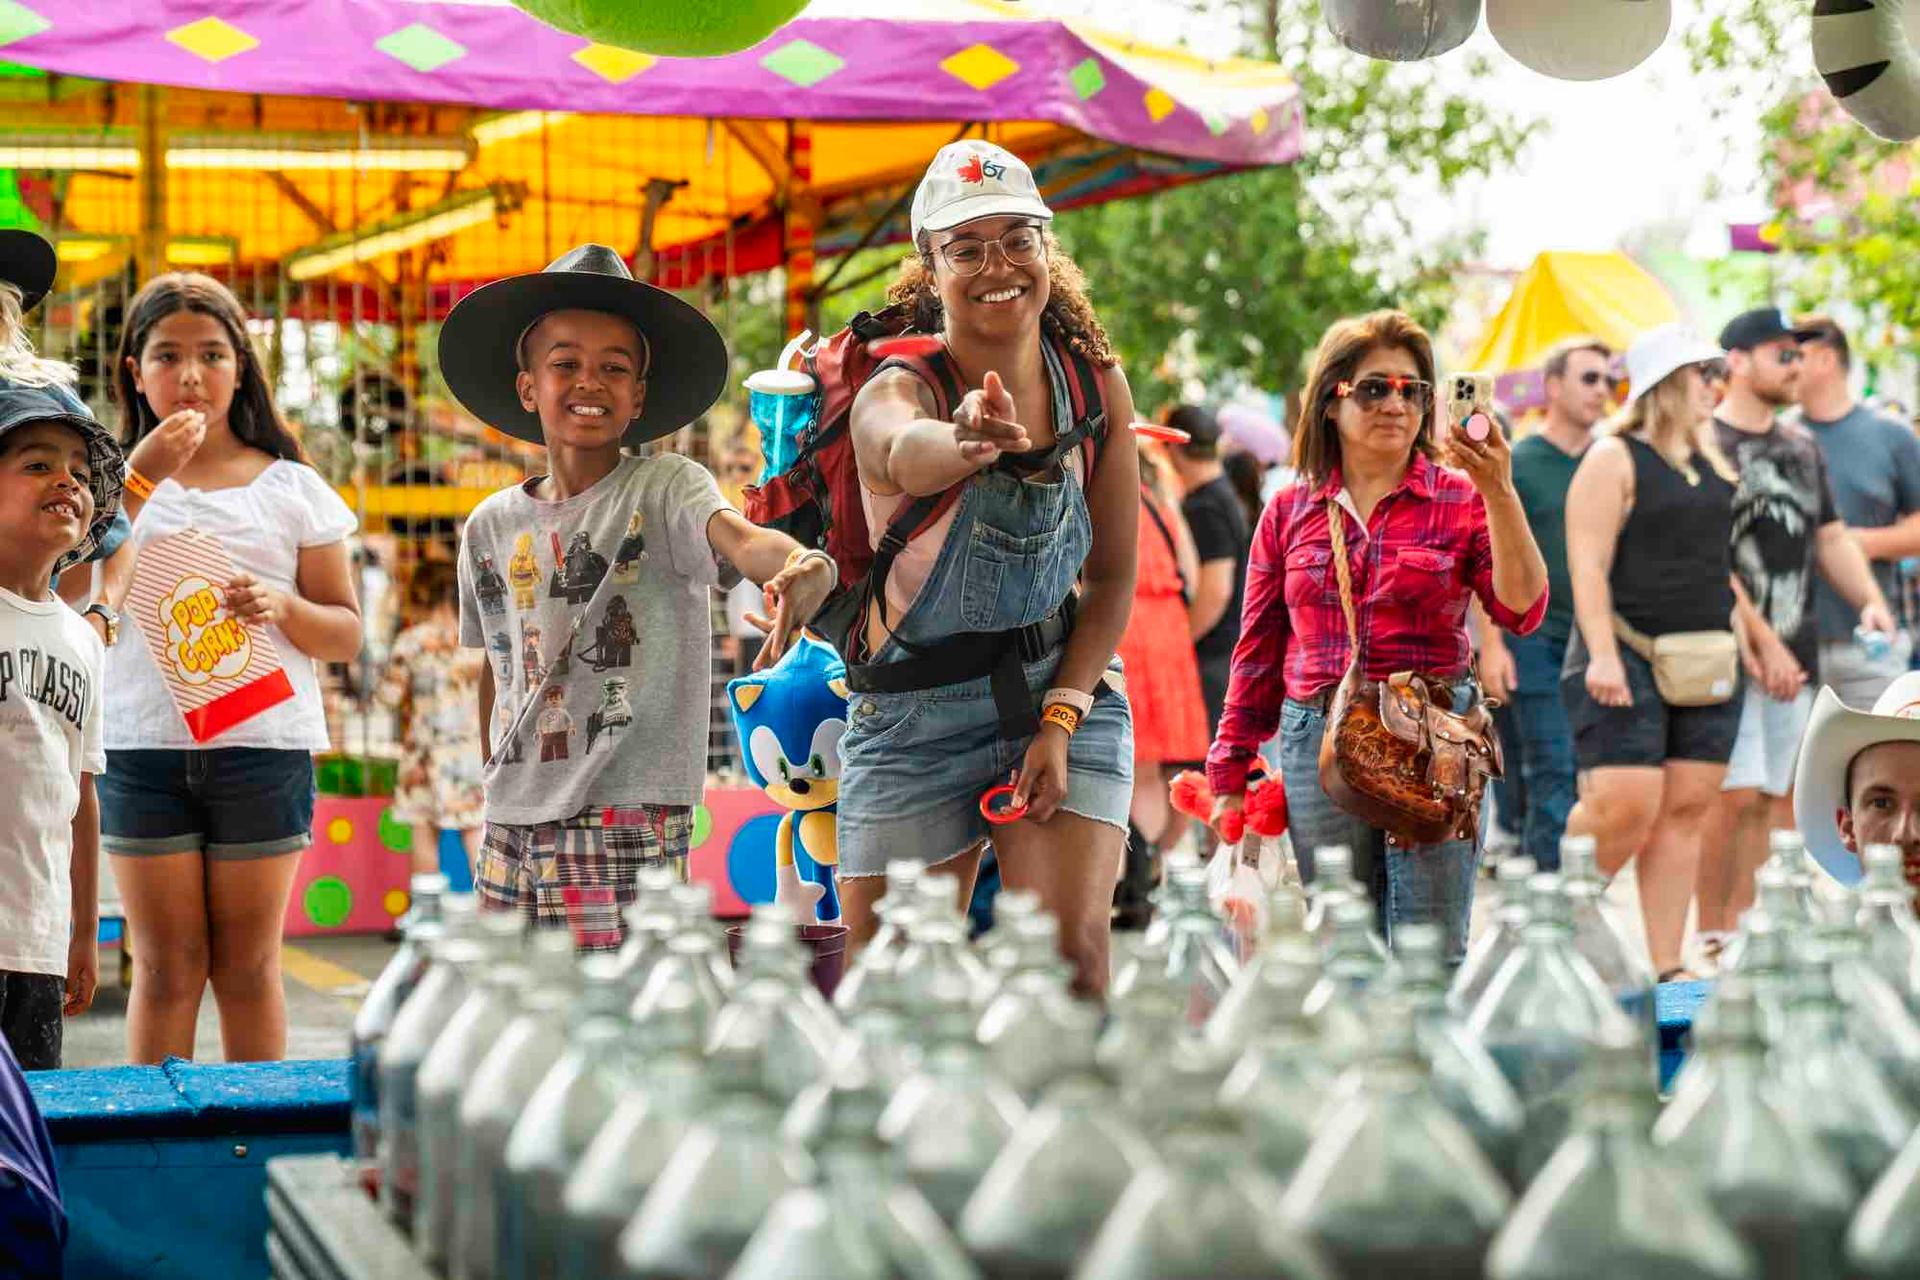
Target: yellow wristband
(1060, 713)
(137, 485)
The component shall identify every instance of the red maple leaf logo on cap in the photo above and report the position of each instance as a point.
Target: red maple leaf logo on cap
(973, 170)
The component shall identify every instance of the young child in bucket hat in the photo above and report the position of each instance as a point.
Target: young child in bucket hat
(586, 359)
(60, 478)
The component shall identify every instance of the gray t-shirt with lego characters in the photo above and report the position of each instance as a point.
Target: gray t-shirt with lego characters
(598, 610)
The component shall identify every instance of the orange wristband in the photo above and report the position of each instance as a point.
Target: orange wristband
(137, 485)
(1061, 714)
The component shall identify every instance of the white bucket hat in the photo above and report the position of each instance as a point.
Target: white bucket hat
(1836, 733)
(1658, 352)
(975, 179)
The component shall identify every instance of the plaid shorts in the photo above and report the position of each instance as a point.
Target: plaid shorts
(581, 872)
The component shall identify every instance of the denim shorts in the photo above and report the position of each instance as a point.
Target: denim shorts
(235, 802)
(914, 765)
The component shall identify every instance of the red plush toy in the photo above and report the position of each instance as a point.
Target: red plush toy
(1266, 809)
(1190, 794)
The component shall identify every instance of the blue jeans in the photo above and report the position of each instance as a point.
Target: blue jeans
(1431, 884)
(1546, 763)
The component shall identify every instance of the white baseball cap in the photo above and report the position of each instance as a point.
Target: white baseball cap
(1836, 733)
(975, 179)
(1658, 352)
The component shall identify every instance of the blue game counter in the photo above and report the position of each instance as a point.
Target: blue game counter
(163, 1169)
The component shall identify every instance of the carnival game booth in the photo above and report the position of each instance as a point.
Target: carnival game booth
(352, 169)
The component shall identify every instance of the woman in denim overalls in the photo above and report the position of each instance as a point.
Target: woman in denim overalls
(1004, 556)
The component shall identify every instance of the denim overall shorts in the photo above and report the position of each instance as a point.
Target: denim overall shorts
(913, 765)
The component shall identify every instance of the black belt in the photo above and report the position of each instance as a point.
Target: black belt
(1000, 655)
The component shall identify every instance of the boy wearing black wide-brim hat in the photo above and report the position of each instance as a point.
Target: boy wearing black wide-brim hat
(585, 359)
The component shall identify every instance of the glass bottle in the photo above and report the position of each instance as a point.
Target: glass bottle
(510, 1069)
(1051, 1187)
(949, 1119)
(1283, 1078)
(1608, 1203)
(377, 1012)
(1885, 916)
(653, 917)
(1766, 951)
(1766, 1173)
(1508, 914)
(693, 960)
(456, 953)
(662, 1093)
(566, 1111)
(1622, 967)
(1392, 1185)
(494, 998)
(1001, 950)
(1353, 962)
(720, 1181)
(1026, 1027)
(859, 1219)
(1466, 1079)
(1879, 1018)
(1883, 1243)
(1541, 1015)
(895, 911)
(1139, 1028)
(775, 1010)
(1205, 1208)
(1287, 957)
(1834, 1084)
(1332, 883)
(935, 957)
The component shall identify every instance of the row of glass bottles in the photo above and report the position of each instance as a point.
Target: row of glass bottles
(957, 1112)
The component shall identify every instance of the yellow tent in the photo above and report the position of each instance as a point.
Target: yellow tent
(1565, 295)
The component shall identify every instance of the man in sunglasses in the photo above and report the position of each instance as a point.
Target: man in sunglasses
(1785, 528)
(1525, 670)
(1873, 462)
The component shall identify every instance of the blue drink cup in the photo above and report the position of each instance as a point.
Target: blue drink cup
(783, 405)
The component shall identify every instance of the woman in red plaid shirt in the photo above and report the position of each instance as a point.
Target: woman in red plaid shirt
(1421, 540)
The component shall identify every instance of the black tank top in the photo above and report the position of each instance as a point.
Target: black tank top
(1673, 564)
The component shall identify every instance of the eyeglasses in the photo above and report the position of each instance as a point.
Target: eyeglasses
(1370, 393)
(1594, 377)
(1019, 246)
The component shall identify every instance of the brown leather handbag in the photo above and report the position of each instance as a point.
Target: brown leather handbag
(1396, 755)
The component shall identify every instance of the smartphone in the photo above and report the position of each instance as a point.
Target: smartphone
(1470, 403)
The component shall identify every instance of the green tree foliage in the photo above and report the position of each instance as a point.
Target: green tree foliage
(1846, 204)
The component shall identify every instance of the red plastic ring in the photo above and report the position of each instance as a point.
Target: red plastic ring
(1164, 434)
(1001, 817)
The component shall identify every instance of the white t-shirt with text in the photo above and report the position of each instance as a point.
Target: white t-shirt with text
(50, 724)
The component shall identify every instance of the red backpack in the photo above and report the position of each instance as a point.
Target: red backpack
(816, 500)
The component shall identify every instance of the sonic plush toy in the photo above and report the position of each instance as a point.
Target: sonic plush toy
(789, 719)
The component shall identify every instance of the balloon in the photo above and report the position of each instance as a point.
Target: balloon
(1868, 52)
(1402, 30)
(668, 28)
(1579, 39)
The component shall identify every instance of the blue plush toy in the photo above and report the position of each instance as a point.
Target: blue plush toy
(789, 719)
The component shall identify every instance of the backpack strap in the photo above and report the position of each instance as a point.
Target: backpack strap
(1087, 394)
(936, 370)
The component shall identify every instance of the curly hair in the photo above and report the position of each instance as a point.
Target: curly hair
(1069, 314)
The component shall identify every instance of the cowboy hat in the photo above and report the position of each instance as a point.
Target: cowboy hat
(28, 263)
(684, 366)
(1836, 733)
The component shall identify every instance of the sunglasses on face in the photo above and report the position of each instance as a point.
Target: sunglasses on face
(968, 256)
(1594, 377)
(1371, 393)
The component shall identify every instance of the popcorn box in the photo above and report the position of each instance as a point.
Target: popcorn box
(220, 671)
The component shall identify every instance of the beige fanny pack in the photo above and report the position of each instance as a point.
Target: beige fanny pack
(1690, 668)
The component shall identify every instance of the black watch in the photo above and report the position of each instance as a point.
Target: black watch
(109, 618)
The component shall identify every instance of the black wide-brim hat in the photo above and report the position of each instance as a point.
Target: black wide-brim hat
(28, 263)
(686, 359)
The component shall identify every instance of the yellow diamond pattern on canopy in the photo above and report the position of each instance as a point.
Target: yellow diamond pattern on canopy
(979, 66)
(1159, 104)
(212, 39)
(615, 66)
(1259, 120)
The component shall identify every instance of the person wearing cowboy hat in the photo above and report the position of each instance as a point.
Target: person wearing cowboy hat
(587, 360)
(1858, 781)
